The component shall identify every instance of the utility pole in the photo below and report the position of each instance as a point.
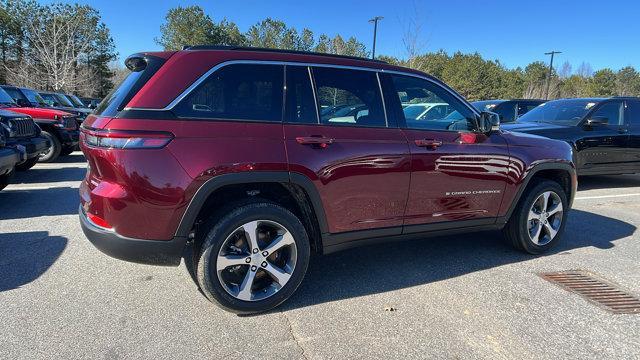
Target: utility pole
(546, 97)
(375, 31)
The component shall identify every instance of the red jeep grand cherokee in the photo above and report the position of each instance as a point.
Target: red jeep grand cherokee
(259, 157)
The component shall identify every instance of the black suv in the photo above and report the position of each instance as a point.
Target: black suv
(9, 157)
(604, 132)
(21, 132)
(509, 110)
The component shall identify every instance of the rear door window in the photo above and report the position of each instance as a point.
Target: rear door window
(612, 111)
(300, 104)
(237, 92)
(349, 97)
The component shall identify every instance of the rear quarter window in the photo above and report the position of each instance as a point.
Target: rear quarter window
(252, 92)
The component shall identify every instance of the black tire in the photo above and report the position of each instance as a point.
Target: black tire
(66, 150)
(53, 152)
(516, 231)
(27, 164)
(219, 228)
(4, 179)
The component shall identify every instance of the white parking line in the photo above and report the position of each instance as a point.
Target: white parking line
(605, 196)
(15, 187)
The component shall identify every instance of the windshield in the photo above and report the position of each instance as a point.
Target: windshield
(5, 99)
(76, 102)
(564, 112)
(34, 97)
(63, 100)
(413, 111)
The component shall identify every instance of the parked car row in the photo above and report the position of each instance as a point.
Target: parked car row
(33, 129)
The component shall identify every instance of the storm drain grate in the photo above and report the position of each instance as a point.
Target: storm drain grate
(598, 291)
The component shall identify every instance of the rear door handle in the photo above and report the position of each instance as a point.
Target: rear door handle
(428, 143)
(318, 141)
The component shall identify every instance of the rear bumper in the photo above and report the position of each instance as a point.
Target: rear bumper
(9, 157)
(151, 252)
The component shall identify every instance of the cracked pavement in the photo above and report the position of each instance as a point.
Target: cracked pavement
(466, 296)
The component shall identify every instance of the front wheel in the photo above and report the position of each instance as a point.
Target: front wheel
(53, 152)
(253, 258)
(538, 221)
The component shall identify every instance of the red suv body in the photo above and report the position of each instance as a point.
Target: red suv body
(193, 135)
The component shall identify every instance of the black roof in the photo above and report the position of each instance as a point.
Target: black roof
(280, 51)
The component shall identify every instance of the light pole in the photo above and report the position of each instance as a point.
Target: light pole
(375, 31)
(546, 97)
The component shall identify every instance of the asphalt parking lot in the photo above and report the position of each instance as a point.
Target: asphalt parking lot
(461, 297)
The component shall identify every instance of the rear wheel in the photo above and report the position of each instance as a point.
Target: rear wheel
(538, 221)
(27, 164)
(253, 258)
(53, 152)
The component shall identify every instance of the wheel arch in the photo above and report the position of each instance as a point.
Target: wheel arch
(563, 173)
(294, 191)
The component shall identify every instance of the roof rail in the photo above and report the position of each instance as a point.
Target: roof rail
(282, 51)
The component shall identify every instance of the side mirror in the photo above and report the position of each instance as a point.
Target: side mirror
(488, 122)
(597, 120)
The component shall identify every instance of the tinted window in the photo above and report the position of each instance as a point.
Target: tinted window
(507, 111)
(349, 97)
(63, 100)
(632, 117)
(237, 92)
(524, 108)
(427, 105)
(14, 93)
(300, 105)
(612, 111)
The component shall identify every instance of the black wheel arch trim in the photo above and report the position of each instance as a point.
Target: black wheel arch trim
(564, 166)
(284, 177)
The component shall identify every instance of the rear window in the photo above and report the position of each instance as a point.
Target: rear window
(237, 92)
(120, 96)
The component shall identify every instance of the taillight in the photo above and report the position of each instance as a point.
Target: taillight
(97, 220)
(124, 139)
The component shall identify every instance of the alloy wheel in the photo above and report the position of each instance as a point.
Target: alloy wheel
(256, 260)
(545, 218)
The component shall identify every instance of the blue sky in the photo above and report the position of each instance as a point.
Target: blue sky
(604, 34)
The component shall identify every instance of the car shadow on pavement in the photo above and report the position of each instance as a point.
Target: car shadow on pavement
(38, 176)
(381, 268)
(608, 182)
(25, 256)
(22, 204)
(76, 157)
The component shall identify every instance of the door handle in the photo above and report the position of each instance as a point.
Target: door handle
(428, 143)
(623, 130)
(318, 141)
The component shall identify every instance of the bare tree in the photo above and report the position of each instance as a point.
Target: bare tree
(412, 40)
